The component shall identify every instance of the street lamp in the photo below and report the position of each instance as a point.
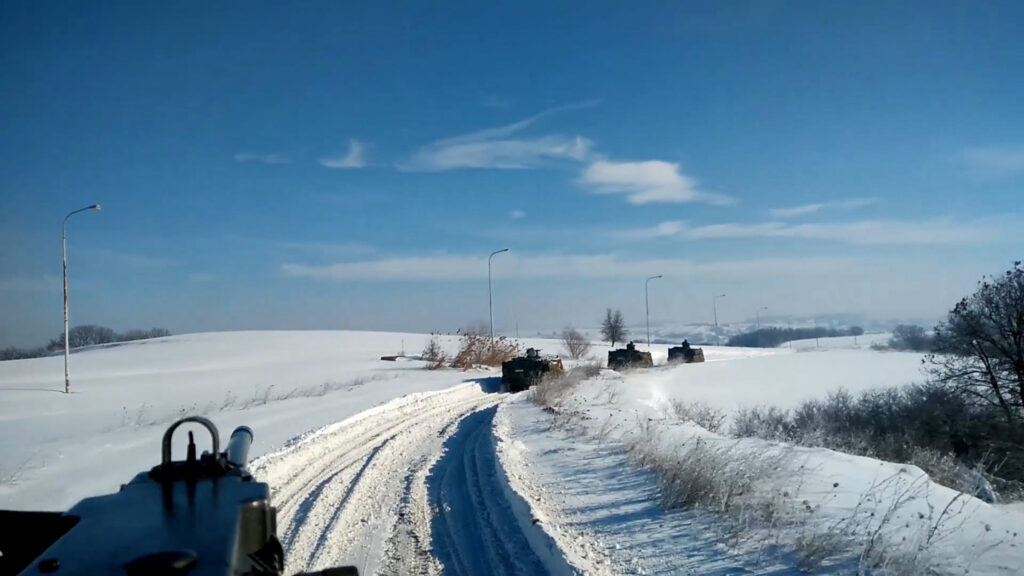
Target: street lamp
(647, 309)
(759, 316)
(714, 303)
(64, 258)
(490, 300)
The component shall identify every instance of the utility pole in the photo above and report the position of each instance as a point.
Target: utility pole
(647, 310)
(64, 258)
(714, 303)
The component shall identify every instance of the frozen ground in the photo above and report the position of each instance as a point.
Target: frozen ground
(397, 469)
(281, 384)
(837, 506)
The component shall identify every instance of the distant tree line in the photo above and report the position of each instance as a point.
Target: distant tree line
(911, 337)
(771, 337)
(968, 420)
(85, 335)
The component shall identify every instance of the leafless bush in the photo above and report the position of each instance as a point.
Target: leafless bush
(701, 414)
(710, 476)
(576, 345)
(478, 350)
(590, 369)
(960, 444)
(610, 393)
(433, 354)
(551, 392)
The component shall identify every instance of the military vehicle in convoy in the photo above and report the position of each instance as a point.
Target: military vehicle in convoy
(520, 373)
(629, 357)
(685, 354)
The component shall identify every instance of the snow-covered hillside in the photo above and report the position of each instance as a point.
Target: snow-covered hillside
(56, 449)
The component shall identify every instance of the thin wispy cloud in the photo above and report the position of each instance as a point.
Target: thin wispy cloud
(457, 268)
(354, 157)
(262, 158)
(647, 182)
(995, 161)
(807, 209)
(864, 232)
(331, 250)
(497, 148)
(517, 214)
(26, 283)
(796, 210)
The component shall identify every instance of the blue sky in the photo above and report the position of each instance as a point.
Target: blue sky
(334, 165)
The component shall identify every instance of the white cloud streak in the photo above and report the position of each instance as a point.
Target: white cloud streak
(355, 157)
(456, 268)
(262, 158)
(796, 210)
(647, 182)
(806, 209)
(517, 214)
(995, 161)
(864, 232)
(496, 148)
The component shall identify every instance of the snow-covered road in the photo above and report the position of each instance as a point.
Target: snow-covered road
(409, 487)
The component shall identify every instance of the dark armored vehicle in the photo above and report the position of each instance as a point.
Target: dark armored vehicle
(685, 354)
(521, 373)
(629, 357)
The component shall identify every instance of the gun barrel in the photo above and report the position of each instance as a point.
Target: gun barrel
(238, 446)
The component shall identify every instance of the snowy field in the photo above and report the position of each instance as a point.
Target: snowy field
(838, 506)
(398, 469)
(281, 384)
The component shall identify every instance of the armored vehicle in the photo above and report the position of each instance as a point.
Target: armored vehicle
(629, 357)
(521, 373)
(685, 354)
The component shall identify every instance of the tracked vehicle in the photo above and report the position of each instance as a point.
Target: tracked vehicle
(629, 357)
(685, 354)
(520, 373)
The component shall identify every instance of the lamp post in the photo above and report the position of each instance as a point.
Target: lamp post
(490, 300)
(64, 259)
(714, 304)
(758, 316)
(647, 309)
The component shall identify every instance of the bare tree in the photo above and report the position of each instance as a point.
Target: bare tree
(613, 328)
(980, 346)
(576, 345)
(433, 354)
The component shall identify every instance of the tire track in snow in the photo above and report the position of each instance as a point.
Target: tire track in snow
(357, 492)
(474, 529)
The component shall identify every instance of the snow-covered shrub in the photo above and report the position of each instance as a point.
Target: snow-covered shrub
(551, 391)
(768, 422)
(590, 369)
(929, 425)
(701, 414)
